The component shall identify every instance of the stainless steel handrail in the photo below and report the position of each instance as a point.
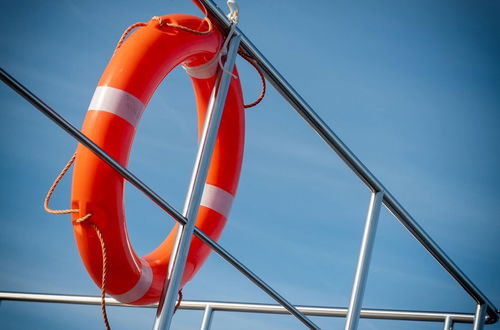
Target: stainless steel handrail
(381, 314)
(310, 116)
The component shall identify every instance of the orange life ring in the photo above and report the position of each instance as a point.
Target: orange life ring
(123, 92)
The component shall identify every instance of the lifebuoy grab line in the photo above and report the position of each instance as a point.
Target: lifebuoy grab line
(135, 70)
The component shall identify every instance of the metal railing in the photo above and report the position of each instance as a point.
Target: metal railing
(210, 307)
(485, 312)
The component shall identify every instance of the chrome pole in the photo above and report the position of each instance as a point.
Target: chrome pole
(180, 251)
(378, 314)
(479, 317)
(364, 258)
(207, 318)
(448, 323)
(80, 137)
(325, 132)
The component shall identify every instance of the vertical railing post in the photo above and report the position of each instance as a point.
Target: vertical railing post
(207, 318)
(365, 252)
(448, 323)
(479, 317)
(168, 297)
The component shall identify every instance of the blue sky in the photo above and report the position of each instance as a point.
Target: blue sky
(413, 88)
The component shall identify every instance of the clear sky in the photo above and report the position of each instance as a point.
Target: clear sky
(412, 87)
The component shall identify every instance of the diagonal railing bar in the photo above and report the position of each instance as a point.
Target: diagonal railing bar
(130, 177)
(391, 203)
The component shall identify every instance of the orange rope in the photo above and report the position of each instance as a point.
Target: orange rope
(185, 28)
(178, 304)
(80, 220)
(53, 187)
(262, 79)
(104, 272)
(127, 31)
(162, 24)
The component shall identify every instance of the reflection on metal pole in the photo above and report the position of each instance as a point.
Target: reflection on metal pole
(479, 317)
(448, 323)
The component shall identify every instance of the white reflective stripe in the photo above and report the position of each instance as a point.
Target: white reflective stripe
(203, 71)
(140, 288)
(118, 102)
(217, 199)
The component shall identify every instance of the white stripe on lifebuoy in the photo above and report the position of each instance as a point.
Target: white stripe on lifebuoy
(118, 102)
(140, 288)
(203, 71)
(217, 199)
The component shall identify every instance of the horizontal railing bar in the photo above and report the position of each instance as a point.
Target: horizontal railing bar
(129, 176)
(306, 112)
(385, 314)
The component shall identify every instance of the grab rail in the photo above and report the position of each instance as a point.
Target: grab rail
(210, 307)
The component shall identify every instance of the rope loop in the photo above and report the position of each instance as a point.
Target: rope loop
(53, 187)
(51, 192)
(253, 62)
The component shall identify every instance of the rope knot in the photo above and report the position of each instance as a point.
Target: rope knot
(159, 19)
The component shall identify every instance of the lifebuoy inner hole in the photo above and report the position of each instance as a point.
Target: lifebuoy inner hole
(162, 156)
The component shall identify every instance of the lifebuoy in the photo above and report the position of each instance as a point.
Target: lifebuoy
(123, 92)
